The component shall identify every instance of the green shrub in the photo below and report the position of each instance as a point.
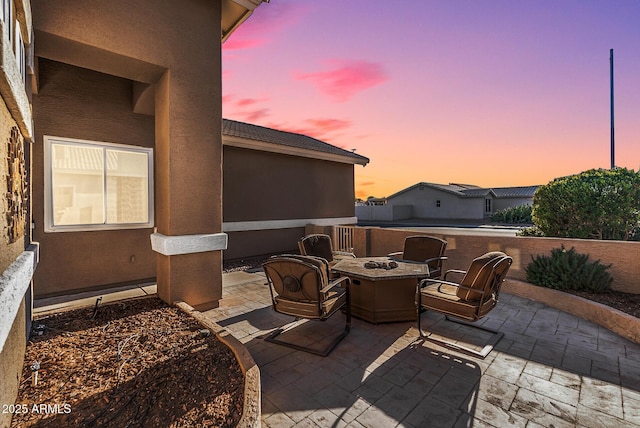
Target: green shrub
(530, 231)
(513, 215)
(569, 270)
(595, 204)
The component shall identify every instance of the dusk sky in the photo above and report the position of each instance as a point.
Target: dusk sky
(485, 92)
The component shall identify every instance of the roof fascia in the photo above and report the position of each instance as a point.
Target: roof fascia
(246, 143)
(236, 12)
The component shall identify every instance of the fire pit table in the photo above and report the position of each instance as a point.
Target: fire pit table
(382, 289)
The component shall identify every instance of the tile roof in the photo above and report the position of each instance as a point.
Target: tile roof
(471, 191)
(234, 128)
(515, 192)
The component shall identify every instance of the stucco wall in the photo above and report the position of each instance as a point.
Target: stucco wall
(383, 212)
(451, 206)
(77, 103)
(262, 242)
(461, 249)
(262, 186)
(269, 186)
(11, 359)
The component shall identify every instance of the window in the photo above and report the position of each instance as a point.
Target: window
(20, 53)
(8, 19)
(487, 205)
(97, 186)
(3, 10)
(438, 203)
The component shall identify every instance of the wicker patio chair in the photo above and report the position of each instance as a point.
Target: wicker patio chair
(424, 249)
(300, 287)
(471, 299)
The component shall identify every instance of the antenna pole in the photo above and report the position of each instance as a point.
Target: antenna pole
(613, 157)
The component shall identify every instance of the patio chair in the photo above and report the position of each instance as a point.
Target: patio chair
(471, 299)
(300, 287)
(424, 249)
(320, 245)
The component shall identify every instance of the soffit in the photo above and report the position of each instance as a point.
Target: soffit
(235, 12)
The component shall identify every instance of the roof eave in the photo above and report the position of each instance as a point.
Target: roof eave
(247, 143)
(235, 12)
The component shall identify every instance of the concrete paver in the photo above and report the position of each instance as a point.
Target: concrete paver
(550, 369)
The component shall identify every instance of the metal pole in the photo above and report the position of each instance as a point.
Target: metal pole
(613, 157)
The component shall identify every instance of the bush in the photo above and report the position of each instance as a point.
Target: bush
(530, 231)
(595, 204)
(569, 270)
(512, 215)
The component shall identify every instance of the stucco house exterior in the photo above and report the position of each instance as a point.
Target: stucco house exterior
(447, 201)
(108, 135)
(276, 182)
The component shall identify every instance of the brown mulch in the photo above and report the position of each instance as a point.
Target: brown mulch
(625, 302)
(135, 363)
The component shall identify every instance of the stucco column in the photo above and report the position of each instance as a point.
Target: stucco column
(188, 183)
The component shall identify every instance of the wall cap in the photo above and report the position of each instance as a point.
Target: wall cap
(188, 244)
(14, 283)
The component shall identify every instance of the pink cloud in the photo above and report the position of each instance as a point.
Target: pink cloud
(346, 78)
(316, 128)
(264, 25)
(227, 99)
(367, 183)
(245, 102)
(234, 44)
(244, 109)
(329, 125)
(254, 115)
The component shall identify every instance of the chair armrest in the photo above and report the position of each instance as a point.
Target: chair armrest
(458, 271)
(453, 284)
(424, 282)
(335, 282)
(396, 254)
(344, 253)
(433, 259)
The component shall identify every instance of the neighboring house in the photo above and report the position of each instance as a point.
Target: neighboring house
(276, 182)
(108, 136)
(450, 201)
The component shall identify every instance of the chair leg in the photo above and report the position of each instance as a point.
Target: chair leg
(497, 336)
(322, 352)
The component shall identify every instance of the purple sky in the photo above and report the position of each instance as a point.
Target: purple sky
(493, 93)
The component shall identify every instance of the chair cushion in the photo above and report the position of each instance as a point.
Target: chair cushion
(421, 248)
(317, 245)
(319, 262)
(294, 280)
(479, 275)
(336, 298)
(444, 299)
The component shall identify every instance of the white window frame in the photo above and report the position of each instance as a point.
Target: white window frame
(488, 205)
(8, 19)
(3, 10)
(49, 226)
(20, 52)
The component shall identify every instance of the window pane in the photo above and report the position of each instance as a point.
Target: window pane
(78, 185)
(127, 187)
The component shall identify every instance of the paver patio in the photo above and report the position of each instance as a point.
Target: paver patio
(550, 369)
